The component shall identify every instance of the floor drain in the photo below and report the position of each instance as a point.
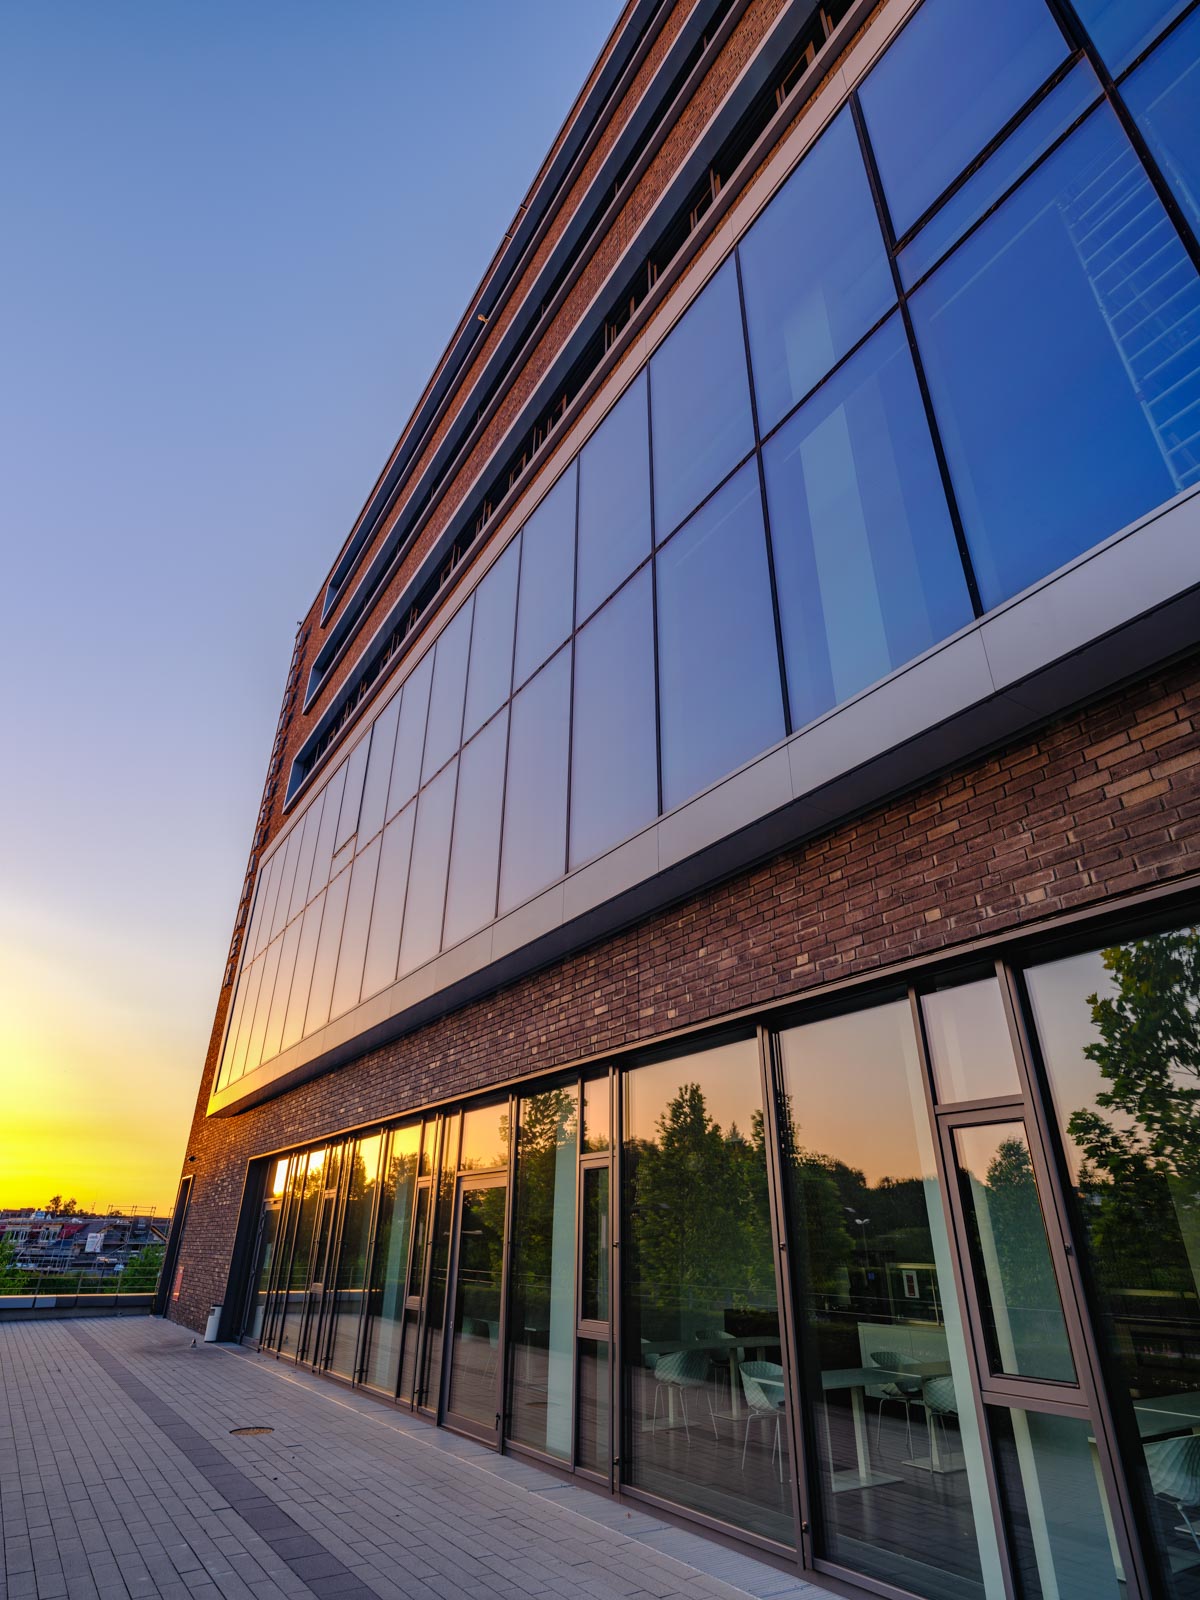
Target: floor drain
(242, 1432)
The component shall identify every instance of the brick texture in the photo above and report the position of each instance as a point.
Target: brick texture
(1098, 803)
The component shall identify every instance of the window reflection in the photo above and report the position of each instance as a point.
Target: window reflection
(814, 272)
(614, 499)
(699, 401)
(350, 1277)
(475, 855)
(543, 1272)
(614, 762)
(897, 1445)
(976, 66)
(1043, 340)
(492, 641)
(1163, 94)
(1120, 29)
(386, 1319)
(1120, 1035)
(545, 609)
(718, 665)
(703, 1379)
(866, 563)
(535, 808)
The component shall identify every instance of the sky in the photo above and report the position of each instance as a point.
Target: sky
(236, 239)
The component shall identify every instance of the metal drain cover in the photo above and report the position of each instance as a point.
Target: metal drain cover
(242, 1432)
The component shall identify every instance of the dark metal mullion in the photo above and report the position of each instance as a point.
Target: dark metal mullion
(653, 601)
(1117, 1436)
(885, 224)
(571, 691)
(803, 1498)
(503, 1387)
(963, 1290)
(327, 1324)
(510, 701)
(578, 1276)
(421, 1364)
(762, 491)
(289, 1223)
(1159, 39)
(616, 1385)
(1068, 19)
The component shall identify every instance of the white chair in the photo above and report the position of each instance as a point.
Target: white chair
(1174, 1468)
(682, 1370)
(905, 1392)
(762, 1407)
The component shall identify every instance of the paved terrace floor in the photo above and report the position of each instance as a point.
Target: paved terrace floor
(119, 1477)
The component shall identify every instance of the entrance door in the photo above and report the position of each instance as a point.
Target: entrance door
(474, 1368)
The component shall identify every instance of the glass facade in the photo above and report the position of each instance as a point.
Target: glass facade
(958, 347)
(919, 1269)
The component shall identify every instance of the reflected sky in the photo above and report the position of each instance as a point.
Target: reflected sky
(213, 334)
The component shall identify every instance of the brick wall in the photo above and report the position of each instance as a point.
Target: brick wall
(1098, 803)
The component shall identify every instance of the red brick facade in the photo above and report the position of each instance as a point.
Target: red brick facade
(1100, 803)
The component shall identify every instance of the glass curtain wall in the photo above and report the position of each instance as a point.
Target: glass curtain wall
(1119, 1030)
(962, 344)
(542, 1318)
(703, 1385)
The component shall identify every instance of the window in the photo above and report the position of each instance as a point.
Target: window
(475, 854)
(1163, 94)
(490, 677)
(614, 498)
(614, 763)
(545, 611)
(814, 272)
(444, 730)
(1058, 426)
(422, 934)
(354, 930)
(866, 561)
(410, 736)
(699, 401)
(379, 771)
(387, 913)
(535, 810)
(719, 670)
(320, 992)
(1121, 29)
(948, 83)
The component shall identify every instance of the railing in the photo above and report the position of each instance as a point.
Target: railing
(48, 1294)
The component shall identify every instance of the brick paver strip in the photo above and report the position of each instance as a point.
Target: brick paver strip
(119, 1479)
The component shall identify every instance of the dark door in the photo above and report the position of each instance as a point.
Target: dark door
(473, 1377)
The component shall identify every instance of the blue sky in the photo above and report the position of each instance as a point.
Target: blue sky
(236, 240)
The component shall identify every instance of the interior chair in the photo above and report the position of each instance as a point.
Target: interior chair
(904, 1391)
(1174, 1467)
(940, 1401)
(762, 1407)
(682, 1370)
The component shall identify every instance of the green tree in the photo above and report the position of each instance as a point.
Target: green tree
(12, 1277)
(1139, 1141)
(141, 1270)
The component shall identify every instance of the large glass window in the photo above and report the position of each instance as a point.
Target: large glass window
(490, 676)
(323, 854)
(543, 1273)
(897, 1445)
(703, 1379)
(866, 562)
(1044, 368)
(306, 955)
(945, 86)
(387, 913)
(699, 401)
(614, 752)
(357, 924)
(718, 666)
(385, 1326)
(320, 991)
(410, 736)
(535, 808)
(444, 730)
(814, 272)
(422, 934)
(356, 773)
(1120, 1036)
(475, 855)
(308, 846)
(379, 771)
(614, 498)
(1121, 29)
(350, 1277)
(1163, 95)
(546, 607)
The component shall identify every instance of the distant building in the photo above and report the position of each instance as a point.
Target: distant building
(92, 1244)
(713, 999)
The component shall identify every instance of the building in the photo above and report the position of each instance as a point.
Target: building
(713, 1003)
